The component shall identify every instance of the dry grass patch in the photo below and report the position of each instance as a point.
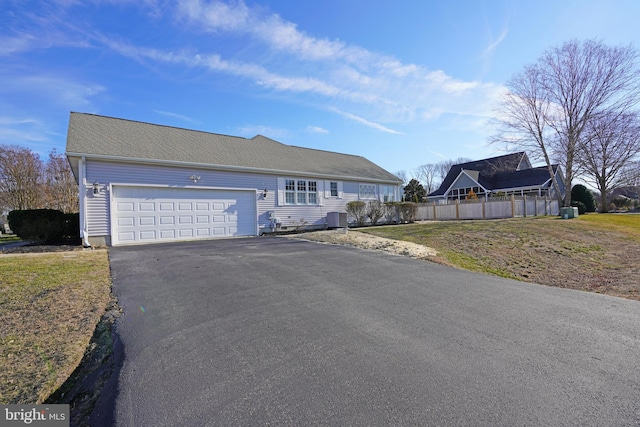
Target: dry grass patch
(597, 252)
(50, 304)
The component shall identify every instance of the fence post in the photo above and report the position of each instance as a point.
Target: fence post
(484, 216)
(546, 202)
(513, 206)
(524, 203)
(457, 209)
(434, 210)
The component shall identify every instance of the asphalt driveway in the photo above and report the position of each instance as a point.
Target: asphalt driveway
(272, 331)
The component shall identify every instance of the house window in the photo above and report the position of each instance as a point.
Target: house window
(334, 189)
(290, 191)
(313, 193)
(388, 193)
(301, 192)
(367, 191)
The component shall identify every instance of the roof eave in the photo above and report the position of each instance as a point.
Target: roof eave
(229, 168)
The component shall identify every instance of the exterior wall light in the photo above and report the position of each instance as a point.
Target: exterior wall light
(264, 193)
(96, 187)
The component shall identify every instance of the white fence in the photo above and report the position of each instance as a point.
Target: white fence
(489, 209)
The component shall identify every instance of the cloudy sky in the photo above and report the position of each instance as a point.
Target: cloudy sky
(402, 83)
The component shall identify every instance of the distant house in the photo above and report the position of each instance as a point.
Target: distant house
(507, 175)
(146, 183)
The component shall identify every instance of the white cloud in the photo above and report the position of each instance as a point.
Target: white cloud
(366, 122)
(62, 91)
(317, 129)
(293, 63)
(175, 115)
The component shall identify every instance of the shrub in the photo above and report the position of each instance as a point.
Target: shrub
(357, 210)
(580, 193)
(407, 211)
(375, 211)
(71, 225)
(391, 212)
(38, 225)
(582, 209)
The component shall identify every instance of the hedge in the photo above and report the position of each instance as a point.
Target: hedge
(44, 225)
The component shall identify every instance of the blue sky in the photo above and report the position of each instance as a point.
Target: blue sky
(402, 83)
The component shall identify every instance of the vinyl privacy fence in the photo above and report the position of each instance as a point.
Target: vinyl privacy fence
(508, 207)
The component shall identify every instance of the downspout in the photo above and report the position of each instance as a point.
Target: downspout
(82, 193)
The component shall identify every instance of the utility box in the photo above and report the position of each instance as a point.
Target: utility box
(569, 212)
(336, 219)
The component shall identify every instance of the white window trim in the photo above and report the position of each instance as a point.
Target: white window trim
(282, 191)
(373, 196)
(327, 189)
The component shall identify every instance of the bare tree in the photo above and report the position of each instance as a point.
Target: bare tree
(523, 118)
(443, 167)
(610, 143)
(61, 188)
(21, 178)
(427, 175)
(402, 174)
(549, 105)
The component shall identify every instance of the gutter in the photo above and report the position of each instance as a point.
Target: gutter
(82, 195)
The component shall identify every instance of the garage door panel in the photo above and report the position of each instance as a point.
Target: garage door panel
(128, 236)
(125, 207)
(168, 234)
(166, 214)
(167, 220)
(147, 235)
(185, 232)
(126, 221)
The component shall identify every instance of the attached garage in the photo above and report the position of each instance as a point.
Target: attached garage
(146, 183)
(150, 214)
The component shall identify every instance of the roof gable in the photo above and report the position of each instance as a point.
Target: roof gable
(97, 136)
(486, 169)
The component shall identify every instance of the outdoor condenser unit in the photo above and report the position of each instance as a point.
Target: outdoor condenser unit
(336, 219)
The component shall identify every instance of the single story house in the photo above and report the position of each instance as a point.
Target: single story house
(511, 174)
(143, 183)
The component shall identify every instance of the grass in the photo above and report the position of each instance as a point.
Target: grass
(50, 304)
(8, 239)
(596, 252)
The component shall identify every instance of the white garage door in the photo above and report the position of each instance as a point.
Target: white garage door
(146, 215)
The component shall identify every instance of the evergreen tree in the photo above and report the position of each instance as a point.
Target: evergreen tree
(580, 193)
(414, 192)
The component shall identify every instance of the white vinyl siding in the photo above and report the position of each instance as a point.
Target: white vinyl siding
(110, 174)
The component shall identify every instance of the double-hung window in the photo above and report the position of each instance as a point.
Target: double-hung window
(388, 193)
(300, 192)
(334, 188)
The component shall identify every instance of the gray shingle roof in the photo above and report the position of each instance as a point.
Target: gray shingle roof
(107, 137)
(498, 173)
